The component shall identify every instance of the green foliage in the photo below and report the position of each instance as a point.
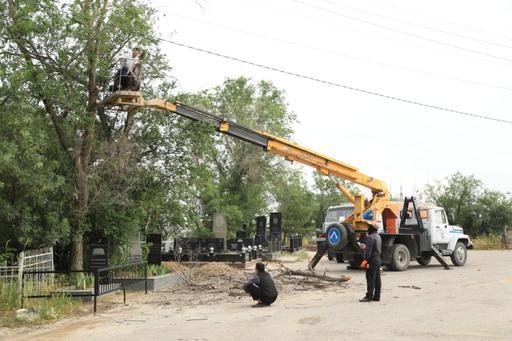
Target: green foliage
(157, 270)
(9, 295)
(32, 209)
(8, 255)
(326, 194)
(67, 164)
(296, 203)
(82, 281)
(57, 306)
(468, 204)
(235, 177)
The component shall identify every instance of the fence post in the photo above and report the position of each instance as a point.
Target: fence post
(505, 236)
(51, 255)
(146, 277)
(96, 289)
(21, 258)
(21, 290)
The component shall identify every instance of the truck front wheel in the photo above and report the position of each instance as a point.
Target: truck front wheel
(400, 257)
(459, 254)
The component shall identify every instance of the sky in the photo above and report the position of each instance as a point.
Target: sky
(452, 54)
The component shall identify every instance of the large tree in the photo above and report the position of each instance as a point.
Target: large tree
(60, 56)
(240, 174)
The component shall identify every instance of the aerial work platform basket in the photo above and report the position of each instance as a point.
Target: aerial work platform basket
(124, 100)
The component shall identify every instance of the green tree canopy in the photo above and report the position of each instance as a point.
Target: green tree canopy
(469, 204)
(240, 175)
(57, 59)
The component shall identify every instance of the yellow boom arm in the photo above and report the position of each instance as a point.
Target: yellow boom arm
(365, 212)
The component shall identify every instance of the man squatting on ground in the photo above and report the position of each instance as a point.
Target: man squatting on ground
(372, 263)
(261, 287)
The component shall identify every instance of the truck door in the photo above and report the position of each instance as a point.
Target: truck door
(440, 227)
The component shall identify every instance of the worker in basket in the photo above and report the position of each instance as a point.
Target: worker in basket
(128, 76)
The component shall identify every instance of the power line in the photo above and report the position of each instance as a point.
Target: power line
(441, 20)
(402, 32)
(432, 74)
(323, 22)
(417, 25)
(318, 80)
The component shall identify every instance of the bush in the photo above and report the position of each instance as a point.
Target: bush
(157, 270)
(488, 242)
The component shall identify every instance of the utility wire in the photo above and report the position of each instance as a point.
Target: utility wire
(441, 20)
(402, 32)
(323, 22)
(432, 74)
(417, 25)
(318, 80)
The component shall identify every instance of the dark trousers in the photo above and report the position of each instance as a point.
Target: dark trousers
(258, 294)
(125, 80)
(321, 249)
(373, 283)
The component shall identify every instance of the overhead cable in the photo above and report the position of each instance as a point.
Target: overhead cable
(417, 36)
(418, 25)
(341, 54)
(368, 92)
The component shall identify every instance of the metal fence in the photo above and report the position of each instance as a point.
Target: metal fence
(44, 283)
(8, 274)
(29, 260)
(38, 259)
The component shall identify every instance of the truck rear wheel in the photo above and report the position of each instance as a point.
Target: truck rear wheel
(424, 259)
(459, 255)
(400, 257)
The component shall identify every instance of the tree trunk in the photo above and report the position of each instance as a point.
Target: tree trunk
(81, 182)
(77, 248)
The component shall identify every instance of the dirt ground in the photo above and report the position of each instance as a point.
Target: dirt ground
(473, 302)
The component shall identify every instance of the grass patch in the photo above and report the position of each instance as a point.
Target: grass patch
(490, 242)
(9, 296)
(41, 310)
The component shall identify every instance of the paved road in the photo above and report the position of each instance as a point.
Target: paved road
(473, 302)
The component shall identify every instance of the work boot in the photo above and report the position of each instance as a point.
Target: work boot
(365, 299)
(376, 299)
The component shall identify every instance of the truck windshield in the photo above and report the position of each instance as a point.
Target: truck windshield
(334, 214)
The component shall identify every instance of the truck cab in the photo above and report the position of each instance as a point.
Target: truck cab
(448, 240)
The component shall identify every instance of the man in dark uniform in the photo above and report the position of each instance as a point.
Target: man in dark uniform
(372, 263)
(261, 287)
